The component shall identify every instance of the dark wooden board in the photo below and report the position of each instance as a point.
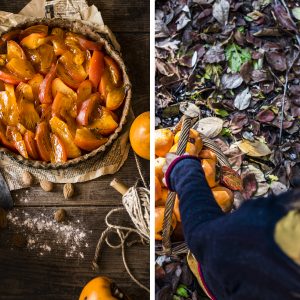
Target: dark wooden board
(24, 274)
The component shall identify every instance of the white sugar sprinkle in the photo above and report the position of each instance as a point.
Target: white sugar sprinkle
(71, 236)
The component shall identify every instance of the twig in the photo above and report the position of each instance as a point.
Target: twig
(284, 94)
(290, 16)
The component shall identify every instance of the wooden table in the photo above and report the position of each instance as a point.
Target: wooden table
(24, 273)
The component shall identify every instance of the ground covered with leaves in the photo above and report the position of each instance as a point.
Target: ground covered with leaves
(239, 61)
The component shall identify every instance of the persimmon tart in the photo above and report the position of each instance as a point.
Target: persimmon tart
(64, 93)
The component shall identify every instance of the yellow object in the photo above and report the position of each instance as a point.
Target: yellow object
(159, 163)
(194, 138)
(98, 288)
(140, 135)
(158, 190)
(164, 139)
(159, 219)
(224, 197)
(191, 149)
(209, 168)
(287, 235)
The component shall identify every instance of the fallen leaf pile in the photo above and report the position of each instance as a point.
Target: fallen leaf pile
(175, 281)
(239, 61)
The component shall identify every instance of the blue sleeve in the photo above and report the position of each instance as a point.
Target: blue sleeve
(197, 204)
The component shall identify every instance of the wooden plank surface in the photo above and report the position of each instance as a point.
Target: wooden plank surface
(36, 273)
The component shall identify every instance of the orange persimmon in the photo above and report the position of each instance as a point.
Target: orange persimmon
(139, 135)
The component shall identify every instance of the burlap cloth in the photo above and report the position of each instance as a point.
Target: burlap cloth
(108, 162)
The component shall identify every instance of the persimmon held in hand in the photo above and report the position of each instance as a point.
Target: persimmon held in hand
(164, 139)
(224, 197)
(159, 219)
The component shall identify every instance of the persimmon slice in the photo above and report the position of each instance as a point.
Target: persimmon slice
(115, 98)
(42, 138)
(21, 68)
(86, 110)
(9, 78)
(34, 40)
(114, 70)
(84, 91)
(61, 129)
(14, 51)
(96, 68)
(45, 94)
(87, 141)
(31, 146)
(15, 137)
(59, 150)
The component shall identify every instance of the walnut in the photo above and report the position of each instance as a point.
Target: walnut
(60, 215)
(47, 186)
(3, 218)
(68, 190)
(27, 178)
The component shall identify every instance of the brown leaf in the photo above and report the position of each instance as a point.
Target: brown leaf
(231, 179)
(249, 186)
(283, 18)
(214, 55)
(265, 116)
(246, 70)
(255, 149)
(277, 60)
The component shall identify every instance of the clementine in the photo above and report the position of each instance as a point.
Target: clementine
(163, 141)
(140, 135)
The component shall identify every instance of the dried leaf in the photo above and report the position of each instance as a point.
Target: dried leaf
(277, 60)
(221, 11)
(210, 127)
(231, 179)
(242, 100)
(249, 186)
(278, 187)
(265, 116)
(296, 13)
(231, 81)
(255, 149)
(283, 18)
(214, 55)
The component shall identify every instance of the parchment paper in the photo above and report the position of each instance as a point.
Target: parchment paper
(108, 162)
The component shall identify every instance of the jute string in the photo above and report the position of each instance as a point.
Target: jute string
(136, 202)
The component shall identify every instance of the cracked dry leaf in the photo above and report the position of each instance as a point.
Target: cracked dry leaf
(210, 127)
(221, 11)
(242, 100)
(255, 149)
(231, 81)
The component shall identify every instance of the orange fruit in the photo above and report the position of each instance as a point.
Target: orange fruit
(176, 209)
(209, 168)
(159, 219)
(140, 135)
(97, 289)
(163, 141)
(191, 149)
(207, 154)
(159, 163)
(157, 189)
(194, 138)
(164, 196)
(224, 197)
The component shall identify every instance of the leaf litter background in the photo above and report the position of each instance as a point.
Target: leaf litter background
(239, 61)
